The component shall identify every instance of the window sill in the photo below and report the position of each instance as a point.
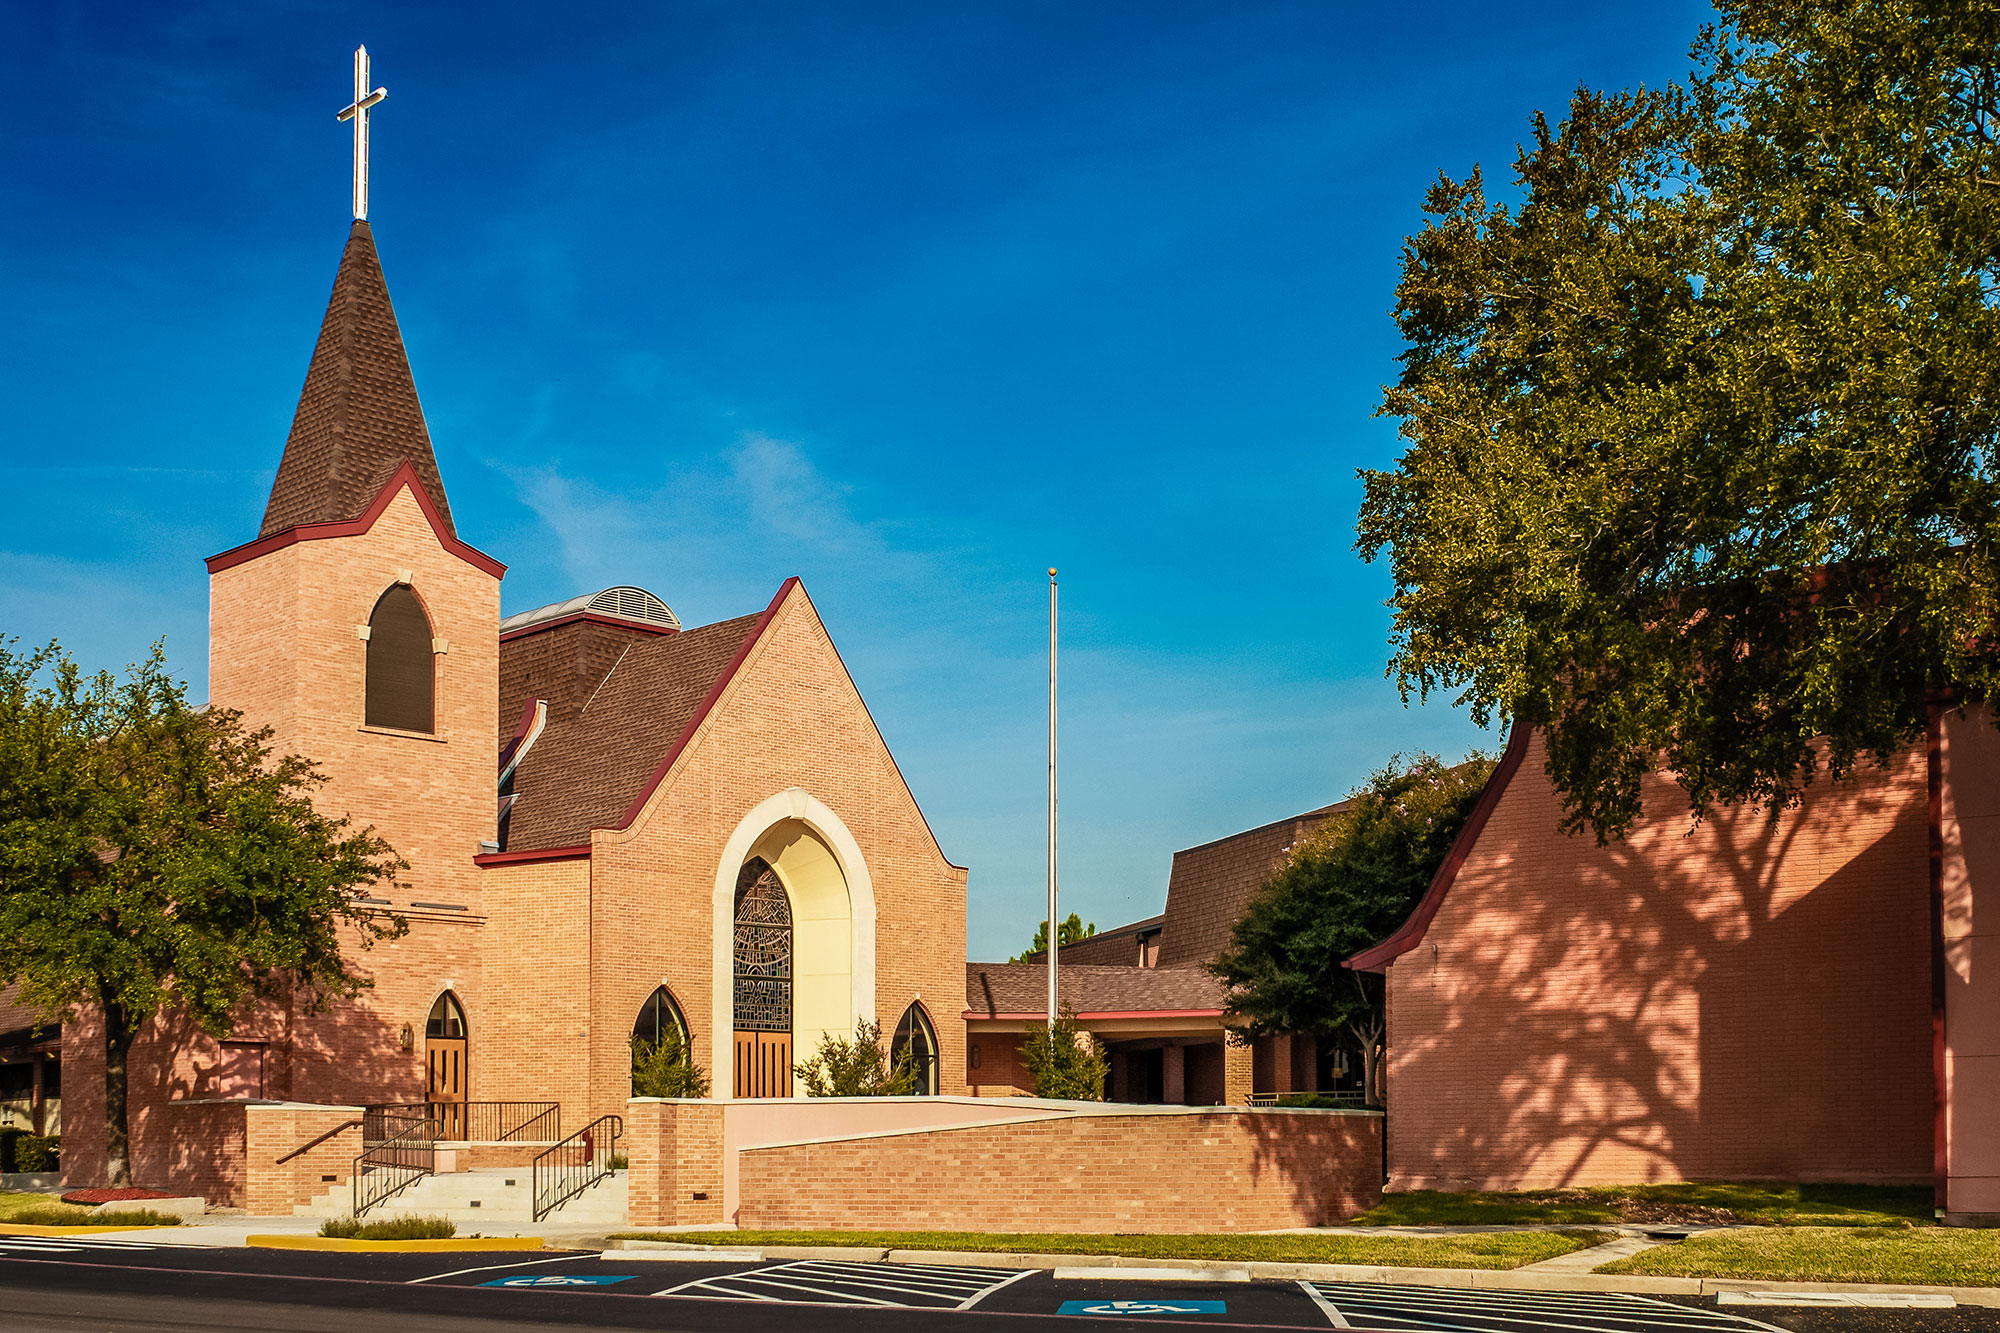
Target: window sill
(433, 737)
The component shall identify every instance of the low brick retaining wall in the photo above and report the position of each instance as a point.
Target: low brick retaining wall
(1069, 1167)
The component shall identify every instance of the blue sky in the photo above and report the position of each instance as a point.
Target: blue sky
(912, 300)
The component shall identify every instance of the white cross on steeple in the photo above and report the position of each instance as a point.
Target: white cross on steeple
(357, 111)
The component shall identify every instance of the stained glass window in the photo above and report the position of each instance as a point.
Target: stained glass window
(763, 950)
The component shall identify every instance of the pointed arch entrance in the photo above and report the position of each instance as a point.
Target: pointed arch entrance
(762, 983)
(446, 1077)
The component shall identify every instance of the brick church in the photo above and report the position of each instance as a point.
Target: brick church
(613, 822)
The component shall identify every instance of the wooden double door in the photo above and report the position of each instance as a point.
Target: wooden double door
(445, 1084)
(763, 1064)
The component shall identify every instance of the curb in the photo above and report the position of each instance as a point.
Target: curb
(26, 1229)
(389, 1246)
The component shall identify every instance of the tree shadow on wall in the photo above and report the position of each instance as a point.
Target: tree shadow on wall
(349, 1055)
(1676, 1005)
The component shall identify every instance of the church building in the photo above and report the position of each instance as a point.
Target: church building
(613, 822)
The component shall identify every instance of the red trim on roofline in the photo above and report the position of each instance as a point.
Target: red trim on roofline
(1411, 933)
(707, 705)
(592, 617)
(404, 475)
(1041, 1015)
(488, 859)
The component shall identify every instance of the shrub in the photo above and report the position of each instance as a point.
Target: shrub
(668, 1069)
(68, 1215)
(37, 1152)
(856, 1068)
(1066, 1063)
(391, 1228)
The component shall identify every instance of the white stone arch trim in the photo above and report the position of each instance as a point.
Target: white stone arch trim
(800, 804)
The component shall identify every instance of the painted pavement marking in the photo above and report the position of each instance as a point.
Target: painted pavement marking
(492, 1268)
(1490, 1310)
(543, 1281)
(902, 1286)
(1158, 1305)
(68, 1244)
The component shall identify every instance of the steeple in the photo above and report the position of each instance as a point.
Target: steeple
(358, 416)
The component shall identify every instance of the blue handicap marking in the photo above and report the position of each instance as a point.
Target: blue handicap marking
(560, 1280)
(1163, 1305)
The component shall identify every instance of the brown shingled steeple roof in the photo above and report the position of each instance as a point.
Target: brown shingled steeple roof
(358, 416)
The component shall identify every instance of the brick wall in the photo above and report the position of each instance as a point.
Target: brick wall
(271, 1132)
(1743, 1000)
(1969, 762)
(675, 1150)
(1142, 1172)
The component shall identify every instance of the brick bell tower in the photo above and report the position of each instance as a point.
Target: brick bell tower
(357, 626)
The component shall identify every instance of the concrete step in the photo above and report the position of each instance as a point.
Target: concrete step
(489, 1195)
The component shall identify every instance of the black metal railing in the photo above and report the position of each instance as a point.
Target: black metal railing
(405, 1154)
(483, 1122)
(561, 1173)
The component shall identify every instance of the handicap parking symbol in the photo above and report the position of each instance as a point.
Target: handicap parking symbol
(560, 1280)
(1163, 1305)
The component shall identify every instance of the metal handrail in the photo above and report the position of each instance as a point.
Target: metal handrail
(386, 1169)
(310, 1144)
(484, 1122)
(561, 1173)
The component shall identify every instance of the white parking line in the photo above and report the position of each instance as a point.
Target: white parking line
(904, 1286)
(1458, 1310)
(490, 1268)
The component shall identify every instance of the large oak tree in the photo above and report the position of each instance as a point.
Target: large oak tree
(1701, 416)
(156, 856)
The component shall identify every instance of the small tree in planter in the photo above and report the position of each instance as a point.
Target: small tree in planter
(841, 1068)
(1066, 1063)
(666, 1069)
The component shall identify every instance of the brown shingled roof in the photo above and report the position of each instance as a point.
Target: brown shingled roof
(993, 989)
(1211, 886)
(589, 765)
(358, 417)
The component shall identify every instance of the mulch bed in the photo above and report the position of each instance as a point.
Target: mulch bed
(126, 1195)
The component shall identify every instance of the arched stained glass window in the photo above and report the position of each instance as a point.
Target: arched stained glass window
(915, 1034)
(661, 1013)
(402, 678)
(763, 950)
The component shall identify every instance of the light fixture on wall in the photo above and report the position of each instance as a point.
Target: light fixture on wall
(407, 1038)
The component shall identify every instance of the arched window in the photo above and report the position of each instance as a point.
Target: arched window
(402, 681)
(660, 1014)
(447, 1019)
(763, 950)
(915, 1034)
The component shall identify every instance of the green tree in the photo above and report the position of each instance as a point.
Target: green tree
(668, 1068)
(856, 1068)
(1700, 423)
(1071, 931)
(1064, 1061)
(155, 856)
(1345, 887)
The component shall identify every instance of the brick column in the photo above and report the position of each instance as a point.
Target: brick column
(1173, 1076)
(1237, 1065)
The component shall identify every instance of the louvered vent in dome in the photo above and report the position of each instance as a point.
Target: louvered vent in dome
(634, 604)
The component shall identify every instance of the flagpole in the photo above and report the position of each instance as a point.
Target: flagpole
(1052, 800)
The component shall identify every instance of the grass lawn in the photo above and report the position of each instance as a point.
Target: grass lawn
(45, 1210)
(1937, 1256)
(1496, 1250)
(1695, 1203)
